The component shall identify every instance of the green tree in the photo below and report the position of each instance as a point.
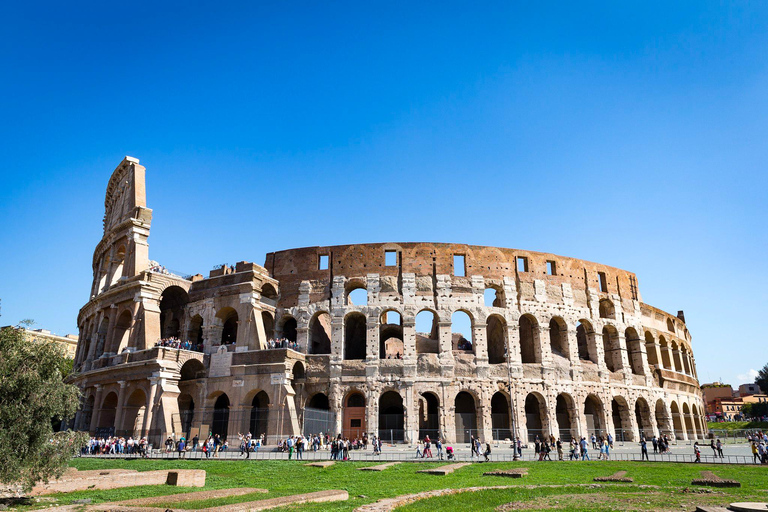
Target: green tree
(31, 395)
(762, 379)
(755, 410)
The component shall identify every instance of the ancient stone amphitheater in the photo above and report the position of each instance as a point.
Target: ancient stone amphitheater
(396, 339)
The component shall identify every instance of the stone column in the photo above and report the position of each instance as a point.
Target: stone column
(372, 342)
(150, 410)
(120, 406)
(446, 345)
(480, 342)
(96, 413)
(409, 339)
(411, 413)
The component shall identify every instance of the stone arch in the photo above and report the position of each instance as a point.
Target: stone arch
(687, 419)
(677, 420)
(612, 349)
(650, 349)
(586, 340)
(465, 416)
(288, 327)
(319, 401)
(355, 336)
(500, 417)
(268, 291)
(635, 351)
(678, 365)
(622, 423)
(122, 333)
(354, 414)
(108, 410)
(429, 415)
(427, 341)
(670, 325)
(493, 296)
(391, 416)
(607, 309)
(269, 325)
(195, 333)
(594, 415)
(567, 416)
(220, 422)
(536, 420)
(684, 357)
(192, 369)
(173, 302)
(259, 414)
(134, 411)
(118, 263)
(391, 334)
(462, 325)
(229, 321)
(496, 337)
(186, 405)
(558, 337)
(662, 418)
(530, 349)
(352, 296)
(320, 333)
(643, 418)
(698, 421)
(664, 348)
(101, 336)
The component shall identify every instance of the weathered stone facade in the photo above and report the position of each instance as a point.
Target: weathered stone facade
(557, 345)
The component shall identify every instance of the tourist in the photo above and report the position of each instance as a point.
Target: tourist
(181, 447)
(610, 441)
(290, 443)
(714, 448)
(439, 447)
(755, 457)
(419, 454)
(583, 447)
(655, 445)
(594, 442)
(487, 451)
(697, 451)
(559, 449)
(643, 449)
(427, 448)
(720, 449)
(195, 443)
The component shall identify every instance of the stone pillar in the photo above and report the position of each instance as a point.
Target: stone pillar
(480, 342)
(337, 338)
(446, 344)
(544, 347)
(485, 422)
(96, 413)
(372, 341)
(120, 406)
(409, 339)
(411, 413)
(372, 411)
(150, 411)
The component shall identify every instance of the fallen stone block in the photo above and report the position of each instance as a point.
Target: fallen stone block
(283, 501)
(509, 473)
(616, 477)
(746, 506)
(189, 496)
(444, 470)
(710, 479)
(95, 480)
(321, 464)
(380, 467)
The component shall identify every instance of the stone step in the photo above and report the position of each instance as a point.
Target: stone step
(444, 470)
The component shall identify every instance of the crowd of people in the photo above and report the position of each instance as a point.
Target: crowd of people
(283, 343)
(174, 342)
(114, 445)
(339, 447)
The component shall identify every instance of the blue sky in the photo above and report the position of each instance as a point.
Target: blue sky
(628, 133)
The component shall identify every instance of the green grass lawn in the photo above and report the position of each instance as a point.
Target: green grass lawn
(737, 425)
(549, 485)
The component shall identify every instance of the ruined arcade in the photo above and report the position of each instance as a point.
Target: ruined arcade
(363, 338)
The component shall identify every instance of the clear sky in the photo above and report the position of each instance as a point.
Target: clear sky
(629, 133)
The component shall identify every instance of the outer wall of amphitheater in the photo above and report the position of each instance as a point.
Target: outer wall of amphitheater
(398, 339)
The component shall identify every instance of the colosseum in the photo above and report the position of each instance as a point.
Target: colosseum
(399, 340)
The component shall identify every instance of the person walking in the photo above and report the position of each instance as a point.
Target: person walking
(594, 442)
(697, 451)
(655, 445)
(559, 449)
(720, 449)
(290, 442)
(487, 451)
(714, 448)
(583, 447)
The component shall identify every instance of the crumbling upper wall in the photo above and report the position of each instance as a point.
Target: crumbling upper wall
(429, 260)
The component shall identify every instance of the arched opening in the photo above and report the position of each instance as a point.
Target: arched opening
(269, 325)
(220, 423)
(677, 420)
(108, 409)
(493, 297)
(684, 355)
(319, 401)
(317, 415)
(186, 412)
(229, 320)
(698, 422)
(662, 418)
(670, 325)
(87, 414)
(117, 265)
(621, 420)
(535, 416)
(643, 418)
(195, 333)
(290, 329)
(650, 349)
(585, 338)
(173, 302)
(391, 335)
(500, 417)
(391, 417)
(607, 310)
(101, 337)
(688, 422)
(354, 415)
(429, 420)
(192, 370)
(565, 409)
(664, 348)
(461, 332)
(612, 348)
(496, 336)
(634, 347)
(357, 295)
(558, 337)
(103, 275)
(593, 414)
(320, 334)
(122, 334)
(133, 414)
(529, 334)
(355, 331)
(427, 334)
(259, 414)
(466, 417)
(268, 292)
(676, 358)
